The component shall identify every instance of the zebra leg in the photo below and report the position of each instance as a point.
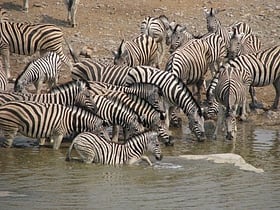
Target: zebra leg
(73, 12)
(115, 133)
(220, 121)
(6, 61)
(276, 85)
(145, 158)
(25, 5)
(68, 155)
(255, 103)
(57, 139)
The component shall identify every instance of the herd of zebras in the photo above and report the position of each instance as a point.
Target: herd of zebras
(132, 93)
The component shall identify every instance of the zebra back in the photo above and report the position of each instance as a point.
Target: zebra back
(95, 149)
(42, 120)
(96, 71)
(141, 50)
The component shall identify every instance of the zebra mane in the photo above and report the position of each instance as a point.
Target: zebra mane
(23, 72)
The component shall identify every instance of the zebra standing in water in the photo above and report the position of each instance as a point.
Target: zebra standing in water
(263, 68)
(231, 93)
(39, 71)
(95, 149)
(158, 28)
(26, 39)
(43, 120)
(71, 5)
(141, 50)
(174, 92)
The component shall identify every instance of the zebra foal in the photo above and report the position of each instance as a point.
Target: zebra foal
(39, 71)
(43, 120)
(95, 149)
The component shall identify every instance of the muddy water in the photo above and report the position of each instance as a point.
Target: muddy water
(39, 178)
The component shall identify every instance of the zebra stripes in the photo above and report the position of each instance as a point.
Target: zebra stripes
(231, 93)
(95, 149)
(191, 62)
(158, 28)
(174, 91)
(39, 71)
(26, 39)
(43, 120)
(3, 15)
(141, 50)
(3, 78)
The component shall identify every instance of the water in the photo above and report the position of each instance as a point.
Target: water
(40, 178)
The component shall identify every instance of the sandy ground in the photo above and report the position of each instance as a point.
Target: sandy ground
(103, 23)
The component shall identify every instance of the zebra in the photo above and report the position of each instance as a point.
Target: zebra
(174, 92)
(191, 62)
(3, 15)
(27, 38)
(230, 93)
(43, 120)
(113, 111)
(93, 148)
(263, 68)
(39, 71)
(171, 87)
(158, 28)
(179, 36)
(142, 50)
(151, 116)
(3, 79)
(214, 26)
(243, 44)
(71, 5)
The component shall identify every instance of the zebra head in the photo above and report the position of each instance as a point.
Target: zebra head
(153, 145)
(84, 100)
(179, 36)
(231, 128)
(212, 22)
(121, 55)
(235, 44)
(196, 123)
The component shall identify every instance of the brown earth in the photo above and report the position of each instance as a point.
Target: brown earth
(103, 23)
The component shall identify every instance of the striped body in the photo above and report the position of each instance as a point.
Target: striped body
(191, 61)
(95, 149)
(26, 39)
(230, 92)
(156, 27)
(174, 91)
(42, 120)
(64, 94)
(3, 79)
(142, 50)
(39, 71)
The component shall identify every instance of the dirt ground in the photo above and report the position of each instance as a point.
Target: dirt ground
(103, 23)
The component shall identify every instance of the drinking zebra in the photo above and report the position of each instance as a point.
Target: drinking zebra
(45, 120)
(71, 5)
(174, 92)
(231, 94)
(27, 38)
(39, 71)
(95, 149)
(171, 87)
(158, 28)
(151, 116)
(263, 68)
(141, 50)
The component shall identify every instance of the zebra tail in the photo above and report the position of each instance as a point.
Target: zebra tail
(68, 155)
(72, 52)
